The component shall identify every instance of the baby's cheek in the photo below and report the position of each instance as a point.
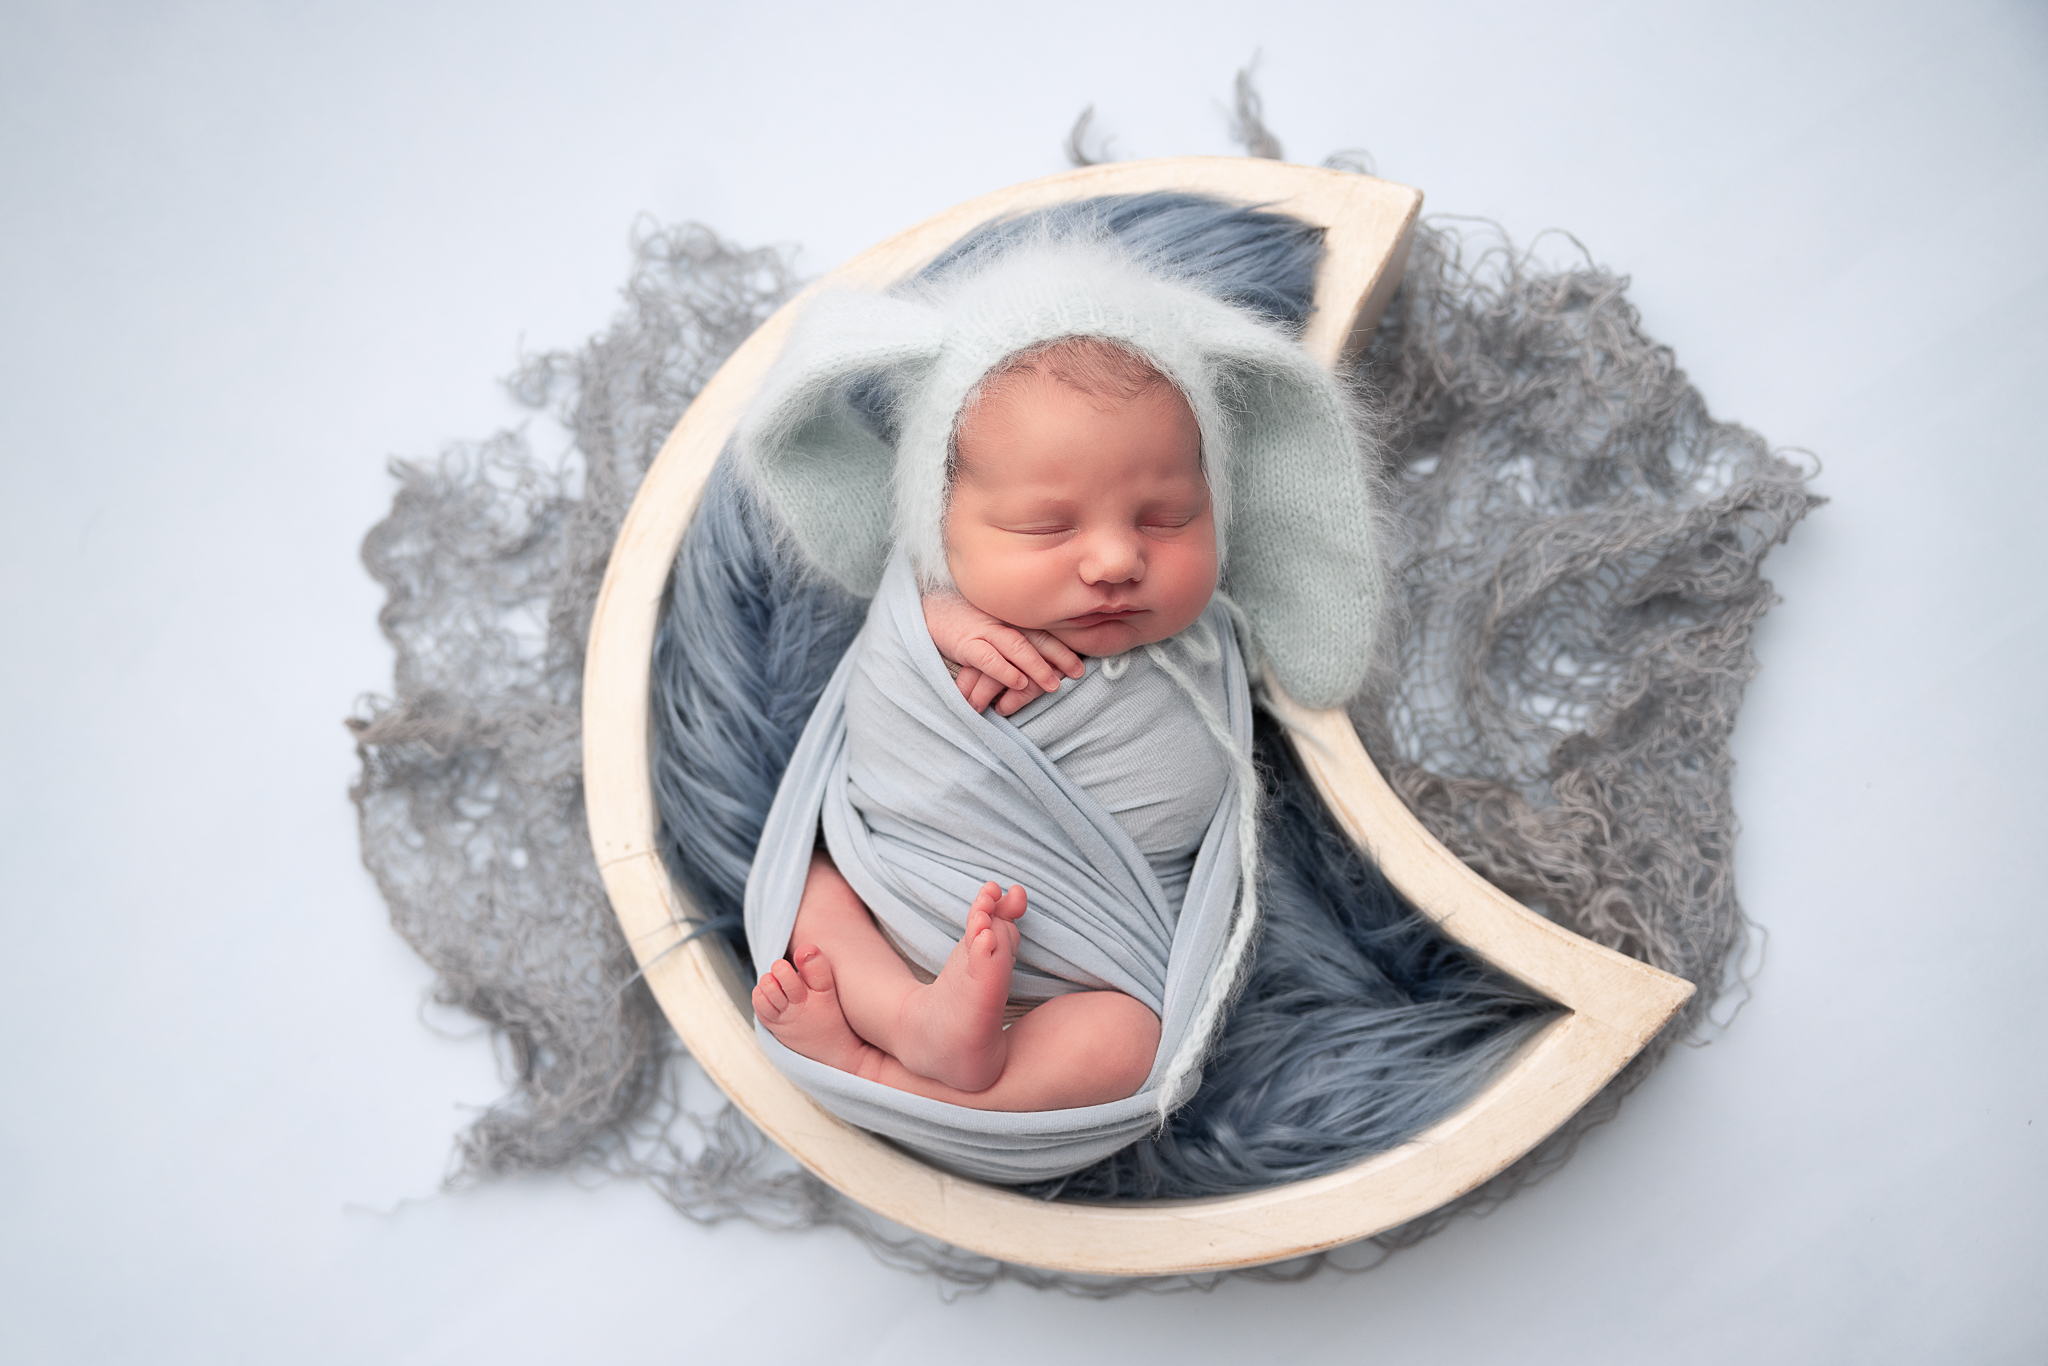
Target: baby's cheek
(1187, 585)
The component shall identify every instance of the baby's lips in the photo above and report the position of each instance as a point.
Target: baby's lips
(1102, 615)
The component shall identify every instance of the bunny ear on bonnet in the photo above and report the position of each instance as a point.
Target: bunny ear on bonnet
(810, 447)
(1306, 545)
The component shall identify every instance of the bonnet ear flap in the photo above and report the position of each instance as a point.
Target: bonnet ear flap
(817, 454)
(1304, 557)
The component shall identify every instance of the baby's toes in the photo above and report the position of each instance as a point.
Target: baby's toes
(978, 919)
(816, 969)
(769, 998)
(791, 982)
(1011, 905)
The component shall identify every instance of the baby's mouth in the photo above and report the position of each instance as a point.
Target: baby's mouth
(1106, 614)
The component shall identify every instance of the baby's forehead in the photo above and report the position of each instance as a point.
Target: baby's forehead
(1110, 375)
(1035, 432)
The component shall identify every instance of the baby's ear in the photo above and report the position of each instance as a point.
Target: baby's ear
(810, 443)
(1303, 559)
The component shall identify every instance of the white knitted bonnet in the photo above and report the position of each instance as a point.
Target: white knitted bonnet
(1295, 521)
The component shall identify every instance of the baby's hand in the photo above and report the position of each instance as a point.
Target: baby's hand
(998, 662)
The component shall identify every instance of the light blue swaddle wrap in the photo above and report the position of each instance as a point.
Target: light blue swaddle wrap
(849, 443)
(942, 799)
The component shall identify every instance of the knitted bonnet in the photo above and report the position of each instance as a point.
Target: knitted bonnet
(849, 436)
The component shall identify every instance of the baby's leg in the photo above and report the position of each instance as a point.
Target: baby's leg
(950, 1030)
(1085, 1048)
(852, 1003)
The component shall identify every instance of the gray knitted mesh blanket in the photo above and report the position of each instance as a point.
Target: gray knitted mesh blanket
(1581, 579)
(1582, 575)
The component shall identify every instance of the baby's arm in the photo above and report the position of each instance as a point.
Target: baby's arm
(998, 662)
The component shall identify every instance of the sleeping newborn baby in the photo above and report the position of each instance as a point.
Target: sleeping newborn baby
(1078, 527)
(1025, 797)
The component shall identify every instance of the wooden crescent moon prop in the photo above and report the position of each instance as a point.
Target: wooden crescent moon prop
(1613, 1005)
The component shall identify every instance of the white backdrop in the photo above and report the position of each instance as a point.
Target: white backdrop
(251, 251)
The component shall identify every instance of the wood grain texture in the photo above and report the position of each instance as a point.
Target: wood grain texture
(1614, 1004)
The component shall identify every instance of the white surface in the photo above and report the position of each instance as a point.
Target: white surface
(251, 251)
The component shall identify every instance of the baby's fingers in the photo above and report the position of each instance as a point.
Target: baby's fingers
(1056, 653)
(981, 691)
(1015, 700)
(1027, 652)
(984, 654)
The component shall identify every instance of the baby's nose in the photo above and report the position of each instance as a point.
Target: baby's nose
(1111, 558)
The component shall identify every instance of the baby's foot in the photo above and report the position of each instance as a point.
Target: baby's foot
(800, 1006)
(952, 1030)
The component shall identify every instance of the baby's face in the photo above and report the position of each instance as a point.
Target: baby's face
(1083, 516)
